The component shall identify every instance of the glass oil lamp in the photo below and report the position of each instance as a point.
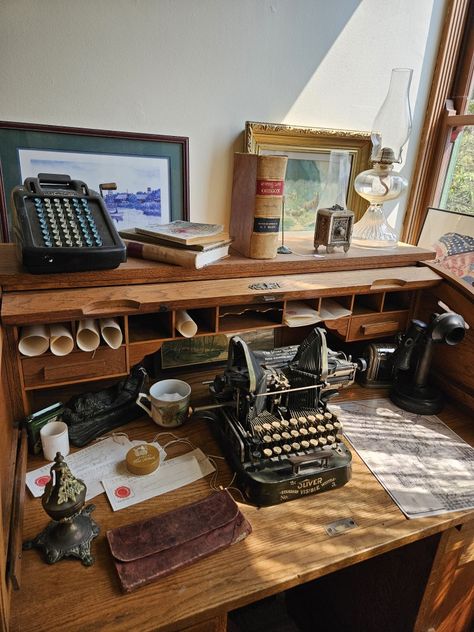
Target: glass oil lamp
(390, 132)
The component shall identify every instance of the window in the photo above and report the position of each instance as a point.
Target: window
(457, 193)
(444, 172)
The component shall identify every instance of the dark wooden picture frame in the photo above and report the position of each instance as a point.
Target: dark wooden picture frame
(93, 143)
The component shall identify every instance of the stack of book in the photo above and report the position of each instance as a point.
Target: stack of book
(187, 244)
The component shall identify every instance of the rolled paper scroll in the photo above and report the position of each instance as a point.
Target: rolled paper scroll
(87, 336)
(61, 341)
(111, 332)
(34, 340)
(185, 324)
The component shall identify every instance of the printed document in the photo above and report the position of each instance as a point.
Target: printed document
(425, 467)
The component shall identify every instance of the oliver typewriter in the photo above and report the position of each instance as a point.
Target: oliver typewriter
(273, 421)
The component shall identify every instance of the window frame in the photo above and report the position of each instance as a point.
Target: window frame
(452, 79)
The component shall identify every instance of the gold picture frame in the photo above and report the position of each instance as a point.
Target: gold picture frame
(310, 144)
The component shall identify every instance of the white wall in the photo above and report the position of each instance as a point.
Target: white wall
(201, 68)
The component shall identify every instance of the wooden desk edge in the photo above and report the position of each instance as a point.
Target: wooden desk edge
(139, 271)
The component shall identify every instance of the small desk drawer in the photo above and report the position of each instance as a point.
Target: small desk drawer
(377, 325)
(75, 367)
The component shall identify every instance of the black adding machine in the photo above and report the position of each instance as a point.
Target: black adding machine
(273, 422)
(60, 225)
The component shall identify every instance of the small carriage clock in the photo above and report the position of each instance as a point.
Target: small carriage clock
(333, 228)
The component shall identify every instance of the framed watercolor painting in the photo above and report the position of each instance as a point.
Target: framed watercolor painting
(143, 178)
(451, 236)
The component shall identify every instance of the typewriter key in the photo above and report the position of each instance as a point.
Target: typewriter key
(311, 418)
(293, 422)
(314, 443)
(323, 441)
(328, 415)
(276, 424)
(285, 423)
(294, 433)
(321, 429)
(302, 420)
(276, 437)
(258, 428)
(312, 430)
(267, 452)
(331, 439)
(267, 439)
(329, 427)
(305, 444)
(286, 448)
(286, 435)
(267, 426)
(296, 446)
(319, 417)
(337, 424)
(277, 450)
(303, 431)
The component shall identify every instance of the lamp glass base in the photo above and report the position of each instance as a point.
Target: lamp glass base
(373, 230)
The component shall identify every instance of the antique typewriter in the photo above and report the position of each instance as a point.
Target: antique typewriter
(273, 422)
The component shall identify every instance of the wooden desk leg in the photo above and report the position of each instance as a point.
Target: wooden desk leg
(218, 624)
(448, 601)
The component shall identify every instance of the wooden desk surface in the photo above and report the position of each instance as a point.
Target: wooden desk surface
(288, 546)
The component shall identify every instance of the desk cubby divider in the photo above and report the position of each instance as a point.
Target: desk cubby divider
(368, 303)
(394, 301)
(152, 326)
(249, 316)
(205, 319)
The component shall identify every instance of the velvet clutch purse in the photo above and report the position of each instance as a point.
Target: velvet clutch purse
(150, 549)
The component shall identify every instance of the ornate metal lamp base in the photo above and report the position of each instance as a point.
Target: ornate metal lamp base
(71, 537)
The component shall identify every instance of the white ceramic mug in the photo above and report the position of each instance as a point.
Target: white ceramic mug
(54, 438)
(168, 402)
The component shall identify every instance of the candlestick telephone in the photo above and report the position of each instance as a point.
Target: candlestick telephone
(60, 225)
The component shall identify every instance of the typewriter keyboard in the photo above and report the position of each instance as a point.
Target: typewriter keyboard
(66, 222)
(303, 431)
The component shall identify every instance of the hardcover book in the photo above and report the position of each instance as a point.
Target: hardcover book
(257, 198)
(132, 233)
(184, 232)
(185, 257)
